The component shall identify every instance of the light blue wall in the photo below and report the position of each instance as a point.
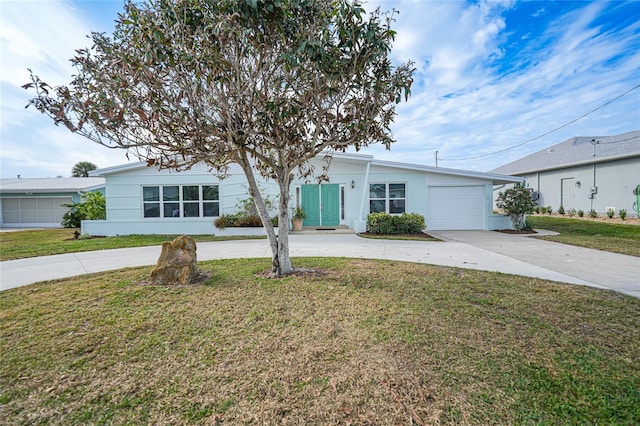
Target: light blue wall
(124, 195)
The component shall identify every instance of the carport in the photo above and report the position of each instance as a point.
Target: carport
(28, 203)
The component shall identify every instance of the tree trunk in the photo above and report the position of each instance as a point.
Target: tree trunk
(285, 266)
(281, 263)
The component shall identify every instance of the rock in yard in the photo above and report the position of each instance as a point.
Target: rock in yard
(177, 263)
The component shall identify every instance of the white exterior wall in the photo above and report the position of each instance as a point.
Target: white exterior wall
(615, 181)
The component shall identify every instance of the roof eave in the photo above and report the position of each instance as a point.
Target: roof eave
(497, 179)
(597, 160)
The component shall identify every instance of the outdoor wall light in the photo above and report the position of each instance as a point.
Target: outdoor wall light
(353, 184)
(578, 184)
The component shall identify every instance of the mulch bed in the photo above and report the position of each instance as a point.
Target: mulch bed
(420, 235)
(511, 231)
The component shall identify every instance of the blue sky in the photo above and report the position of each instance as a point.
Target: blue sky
(490, 75)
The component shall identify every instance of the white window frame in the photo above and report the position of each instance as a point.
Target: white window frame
(387, 199)
(181, 202)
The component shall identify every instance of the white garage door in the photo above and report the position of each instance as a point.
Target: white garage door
(34, 211)
(456, 208)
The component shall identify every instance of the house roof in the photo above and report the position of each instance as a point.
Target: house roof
(496, 178)
(49, 185)
(576, 151)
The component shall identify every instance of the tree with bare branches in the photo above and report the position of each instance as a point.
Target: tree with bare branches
(265, 84)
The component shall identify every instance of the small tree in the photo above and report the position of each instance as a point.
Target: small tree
(92, 207)
(82, 169)
(266, 84)
(517, 202)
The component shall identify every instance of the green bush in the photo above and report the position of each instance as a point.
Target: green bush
(528, 225)
(571, 212)
(580, 212)
(73, 216)
(561, 210)
(623, 214)
(241, 220)
(92, 207)
(383, 223)
(543, 210)
(549, 209)
(610, 213)
(593, 214)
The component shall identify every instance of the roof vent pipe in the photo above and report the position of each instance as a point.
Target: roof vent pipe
(594, 142)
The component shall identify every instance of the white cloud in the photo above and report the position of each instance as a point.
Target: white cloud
(42, 36)
(473, 93)
(464, 109)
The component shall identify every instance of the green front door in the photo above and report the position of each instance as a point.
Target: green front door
(321, 204)
(330, 204)
(311, 204)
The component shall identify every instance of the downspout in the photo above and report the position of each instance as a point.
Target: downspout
(593, 195)
(360, 224)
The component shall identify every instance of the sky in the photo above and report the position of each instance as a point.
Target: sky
(494, 80)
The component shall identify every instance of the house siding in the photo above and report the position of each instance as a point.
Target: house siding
(615, 181)
(125, 206)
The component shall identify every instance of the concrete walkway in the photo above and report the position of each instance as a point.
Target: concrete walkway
(484, 250)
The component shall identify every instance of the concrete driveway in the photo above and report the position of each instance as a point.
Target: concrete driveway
(484, 250)
(608, 270)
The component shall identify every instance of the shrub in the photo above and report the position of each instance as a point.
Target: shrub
(561, 210)
(383, 223)
(536, 210)
(571, 212)
(543, 210)
(580, 212)
(516, 202)
(247, 215)
(610, 213)
(623, 214)
(240, 220)
(92, 207)
(72, 217)
(528, 225)
(593, 214)
(549, 209)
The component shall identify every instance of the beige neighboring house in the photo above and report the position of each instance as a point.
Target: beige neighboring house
(37, 202)
(584, 173)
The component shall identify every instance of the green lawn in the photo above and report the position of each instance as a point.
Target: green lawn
(44, 242)
(355, 342)
(616, 238)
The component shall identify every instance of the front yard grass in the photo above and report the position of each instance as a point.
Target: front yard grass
(45, 242)
(611, 237)
(360, 342)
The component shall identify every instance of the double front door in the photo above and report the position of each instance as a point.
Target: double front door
(321, 204)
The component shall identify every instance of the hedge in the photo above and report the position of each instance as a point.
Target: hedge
(240, 220)
(407, 223)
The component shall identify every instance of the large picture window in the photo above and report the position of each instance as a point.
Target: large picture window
(387, 198)
(178, 201)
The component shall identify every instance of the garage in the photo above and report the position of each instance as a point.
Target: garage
(456, 207)
(37, 202)
(34, 211)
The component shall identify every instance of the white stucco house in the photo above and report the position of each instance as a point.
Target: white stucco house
(584, 173)
(38, 202)
(143, 200)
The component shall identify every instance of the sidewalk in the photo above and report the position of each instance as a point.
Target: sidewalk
(483, 250)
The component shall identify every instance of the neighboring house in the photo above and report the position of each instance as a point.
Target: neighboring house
(584, 173)
(143, 200)
(28, 202)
